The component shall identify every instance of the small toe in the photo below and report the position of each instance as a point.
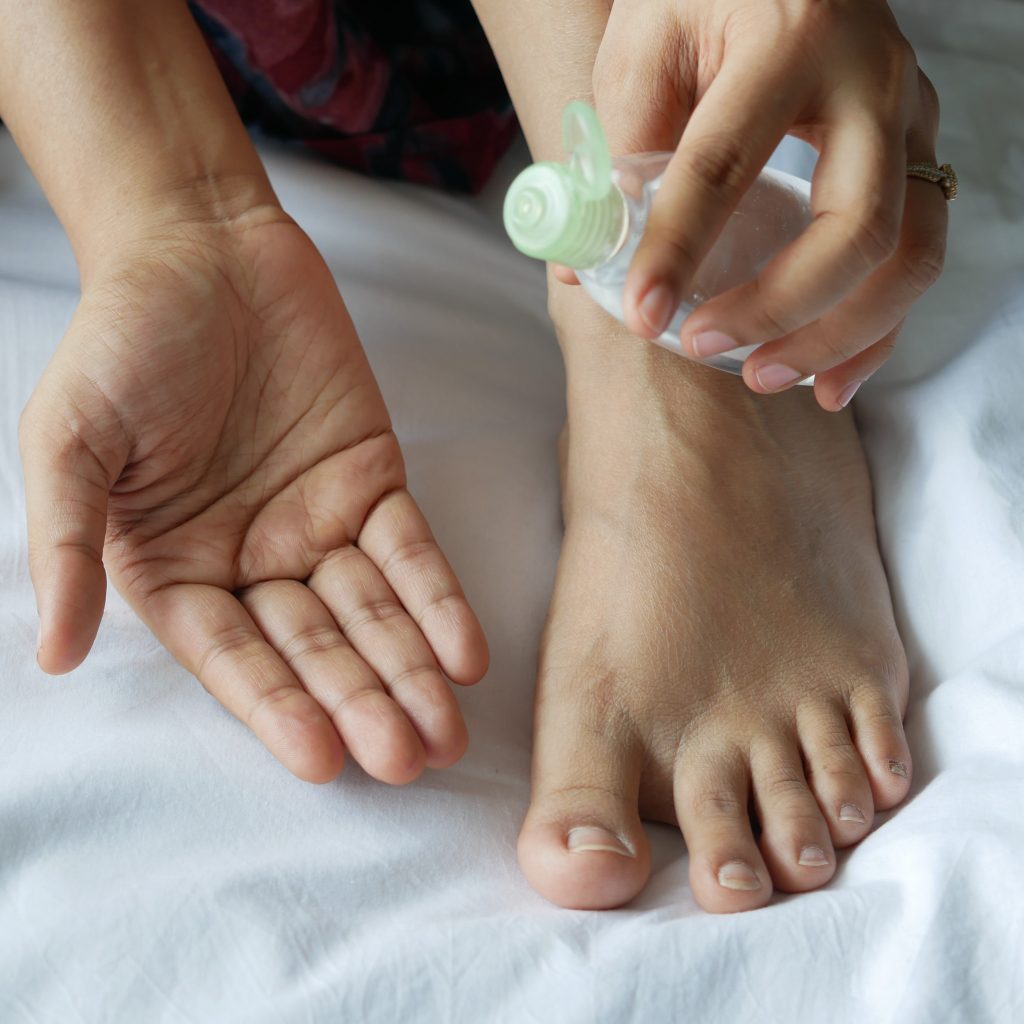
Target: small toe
(582, 845)
(727, 871)
(877, 729)
(795, 840)
(836, 774)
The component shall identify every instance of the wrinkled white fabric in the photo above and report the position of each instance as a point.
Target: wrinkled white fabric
(157, 865)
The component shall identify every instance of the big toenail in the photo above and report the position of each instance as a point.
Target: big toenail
(737, 875)
(590, 838)
(851, 812)
(813, 857)
(899, 768)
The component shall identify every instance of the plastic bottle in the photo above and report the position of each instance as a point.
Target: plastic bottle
(590, 212)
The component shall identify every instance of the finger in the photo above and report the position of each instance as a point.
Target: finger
(871, 312)
(644, 77)
(398, 541)
(564, 274)
(303, 632)
(381, 631)
(323, 509)
(215, 638)
(728, 139)
(857, 202)
(67, 483)
(835, 389)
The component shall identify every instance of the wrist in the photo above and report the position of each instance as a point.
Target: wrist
(122, 115)
(605, 363)
(196, 206)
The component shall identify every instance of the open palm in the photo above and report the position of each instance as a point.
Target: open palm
(210, 429)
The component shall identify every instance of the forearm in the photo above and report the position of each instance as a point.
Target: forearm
(120, 111)
(546, 50)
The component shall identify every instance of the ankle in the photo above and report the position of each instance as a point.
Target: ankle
(611, 373)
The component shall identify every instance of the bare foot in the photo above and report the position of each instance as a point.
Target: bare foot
(720, 644)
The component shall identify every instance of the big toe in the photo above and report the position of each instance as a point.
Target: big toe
(582, 845)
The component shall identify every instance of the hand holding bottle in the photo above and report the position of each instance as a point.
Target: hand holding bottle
(720, 82)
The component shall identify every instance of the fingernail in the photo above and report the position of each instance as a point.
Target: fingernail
(813, 857)
(586, 838)
(847, 393)
(851, 812)
(656, 308)
(737, 875)
(899, 768)
(775, 376)
(711, 343)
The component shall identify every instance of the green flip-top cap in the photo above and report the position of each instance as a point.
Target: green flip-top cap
(568, 213)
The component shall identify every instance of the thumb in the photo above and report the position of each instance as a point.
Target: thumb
(70, 460)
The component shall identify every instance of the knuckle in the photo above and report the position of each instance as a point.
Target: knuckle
(880, 663)
(784, 784)
(901, 55)
(682, 255)
(838, 766)
(885, 347)
(872, 707)
(311, 640)
(835, 755)
(268, 701)
(775, 321)
(921, 264)
(719, 164)
(718, 805)
(875, 236)
(356, 695)
(82, 547)
(233, 640)
(374, 612)
(571, 794)
(409, 559)
(836, 347)
(442, 608)
(930, 105)
(418, 674)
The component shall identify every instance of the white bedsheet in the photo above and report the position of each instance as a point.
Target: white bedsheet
(157, 865)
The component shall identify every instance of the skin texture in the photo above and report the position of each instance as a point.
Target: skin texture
(211, 416)
(209, 432)
(720, 646)
(720, 652)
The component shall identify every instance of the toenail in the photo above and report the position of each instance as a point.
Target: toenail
(851, 812)
(590, 838)
(899, 768)
(813, 857)
(737, 875)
